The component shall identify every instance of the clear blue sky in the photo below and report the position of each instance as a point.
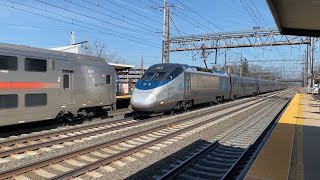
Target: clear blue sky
(123, 24)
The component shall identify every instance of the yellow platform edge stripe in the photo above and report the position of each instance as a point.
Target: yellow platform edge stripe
(273, 162)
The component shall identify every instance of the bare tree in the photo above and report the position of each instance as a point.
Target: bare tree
(101, 50)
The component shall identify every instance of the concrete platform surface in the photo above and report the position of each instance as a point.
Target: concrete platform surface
(293, 149)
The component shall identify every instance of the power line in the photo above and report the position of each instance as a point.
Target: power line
(251, 13)
(202, 17)
(123, 7)
(133, 11)
(197, 26)
(72, 23)
(97, 5)
(154, 3)
(199, 15)
(254, 17)
(158, 5)
(175, 26)
(87, 16)
(259, 13)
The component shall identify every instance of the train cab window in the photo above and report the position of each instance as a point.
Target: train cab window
(147, 75)
(32, 100)
(8, 101)
(175, 73)
(8, 63)
(35, 65)
(158, 76)
(153, 76)
(66, 81)
(108, 79)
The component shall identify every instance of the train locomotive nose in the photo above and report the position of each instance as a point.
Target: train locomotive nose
(142, 100)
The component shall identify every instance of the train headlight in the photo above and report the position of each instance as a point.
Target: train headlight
(162, 102)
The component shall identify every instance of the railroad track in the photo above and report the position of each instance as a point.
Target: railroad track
(101, 155)
(222, 158)
(16, 148)
(47, 125)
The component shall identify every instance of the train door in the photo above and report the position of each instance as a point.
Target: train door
(187, 86)
(67, 86)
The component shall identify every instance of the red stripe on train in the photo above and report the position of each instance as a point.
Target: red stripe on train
(25, 85)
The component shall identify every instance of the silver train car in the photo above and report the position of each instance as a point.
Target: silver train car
(39, 84)
(168, 87)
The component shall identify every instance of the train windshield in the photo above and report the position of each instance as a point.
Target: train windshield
(160, 72)
(153, 76)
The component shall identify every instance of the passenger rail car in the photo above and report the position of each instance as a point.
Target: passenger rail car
(167, 87)
(39, 84)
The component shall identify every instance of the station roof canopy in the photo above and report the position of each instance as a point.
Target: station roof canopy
(121, 67)
(296, 17)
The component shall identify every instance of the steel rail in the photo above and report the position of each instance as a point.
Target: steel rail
(108, 160)
(36, 146)
(209, 148)
(59, 158)
(191, 160)
(255, 143)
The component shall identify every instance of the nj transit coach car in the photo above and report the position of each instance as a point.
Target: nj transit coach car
(38, 84)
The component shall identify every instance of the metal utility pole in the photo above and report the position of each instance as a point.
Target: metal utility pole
(73, 36)
(216, 57)
(311, 61)
(204, 56)
(142, 70)
(225, 60)
(241, 66)
(305, 71)
(166, 33)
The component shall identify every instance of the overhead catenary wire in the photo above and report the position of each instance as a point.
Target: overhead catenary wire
(205, 19)
(94, 18)
(128, 9)
(190, 19)
(251, 13)
(73, 22)
(258, 21)
(158, 6)
(104, 8)
(175, 26)
(198, 14)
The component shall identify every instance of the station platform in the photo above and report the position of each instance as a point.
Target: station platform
(293, 149)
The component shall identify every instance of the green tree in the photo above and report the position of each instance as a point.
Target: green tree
(245, 68)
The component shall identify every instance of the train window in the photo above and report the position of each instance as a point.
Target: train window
(8, 101)
(66, 81)
(8, 63)
(175, 73)
(108, 79)
(147, 75)
(35, 65)
(35, 100)
(158, 76)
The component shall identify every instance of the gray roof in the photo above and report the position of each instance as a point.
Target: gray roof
(44, 53)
